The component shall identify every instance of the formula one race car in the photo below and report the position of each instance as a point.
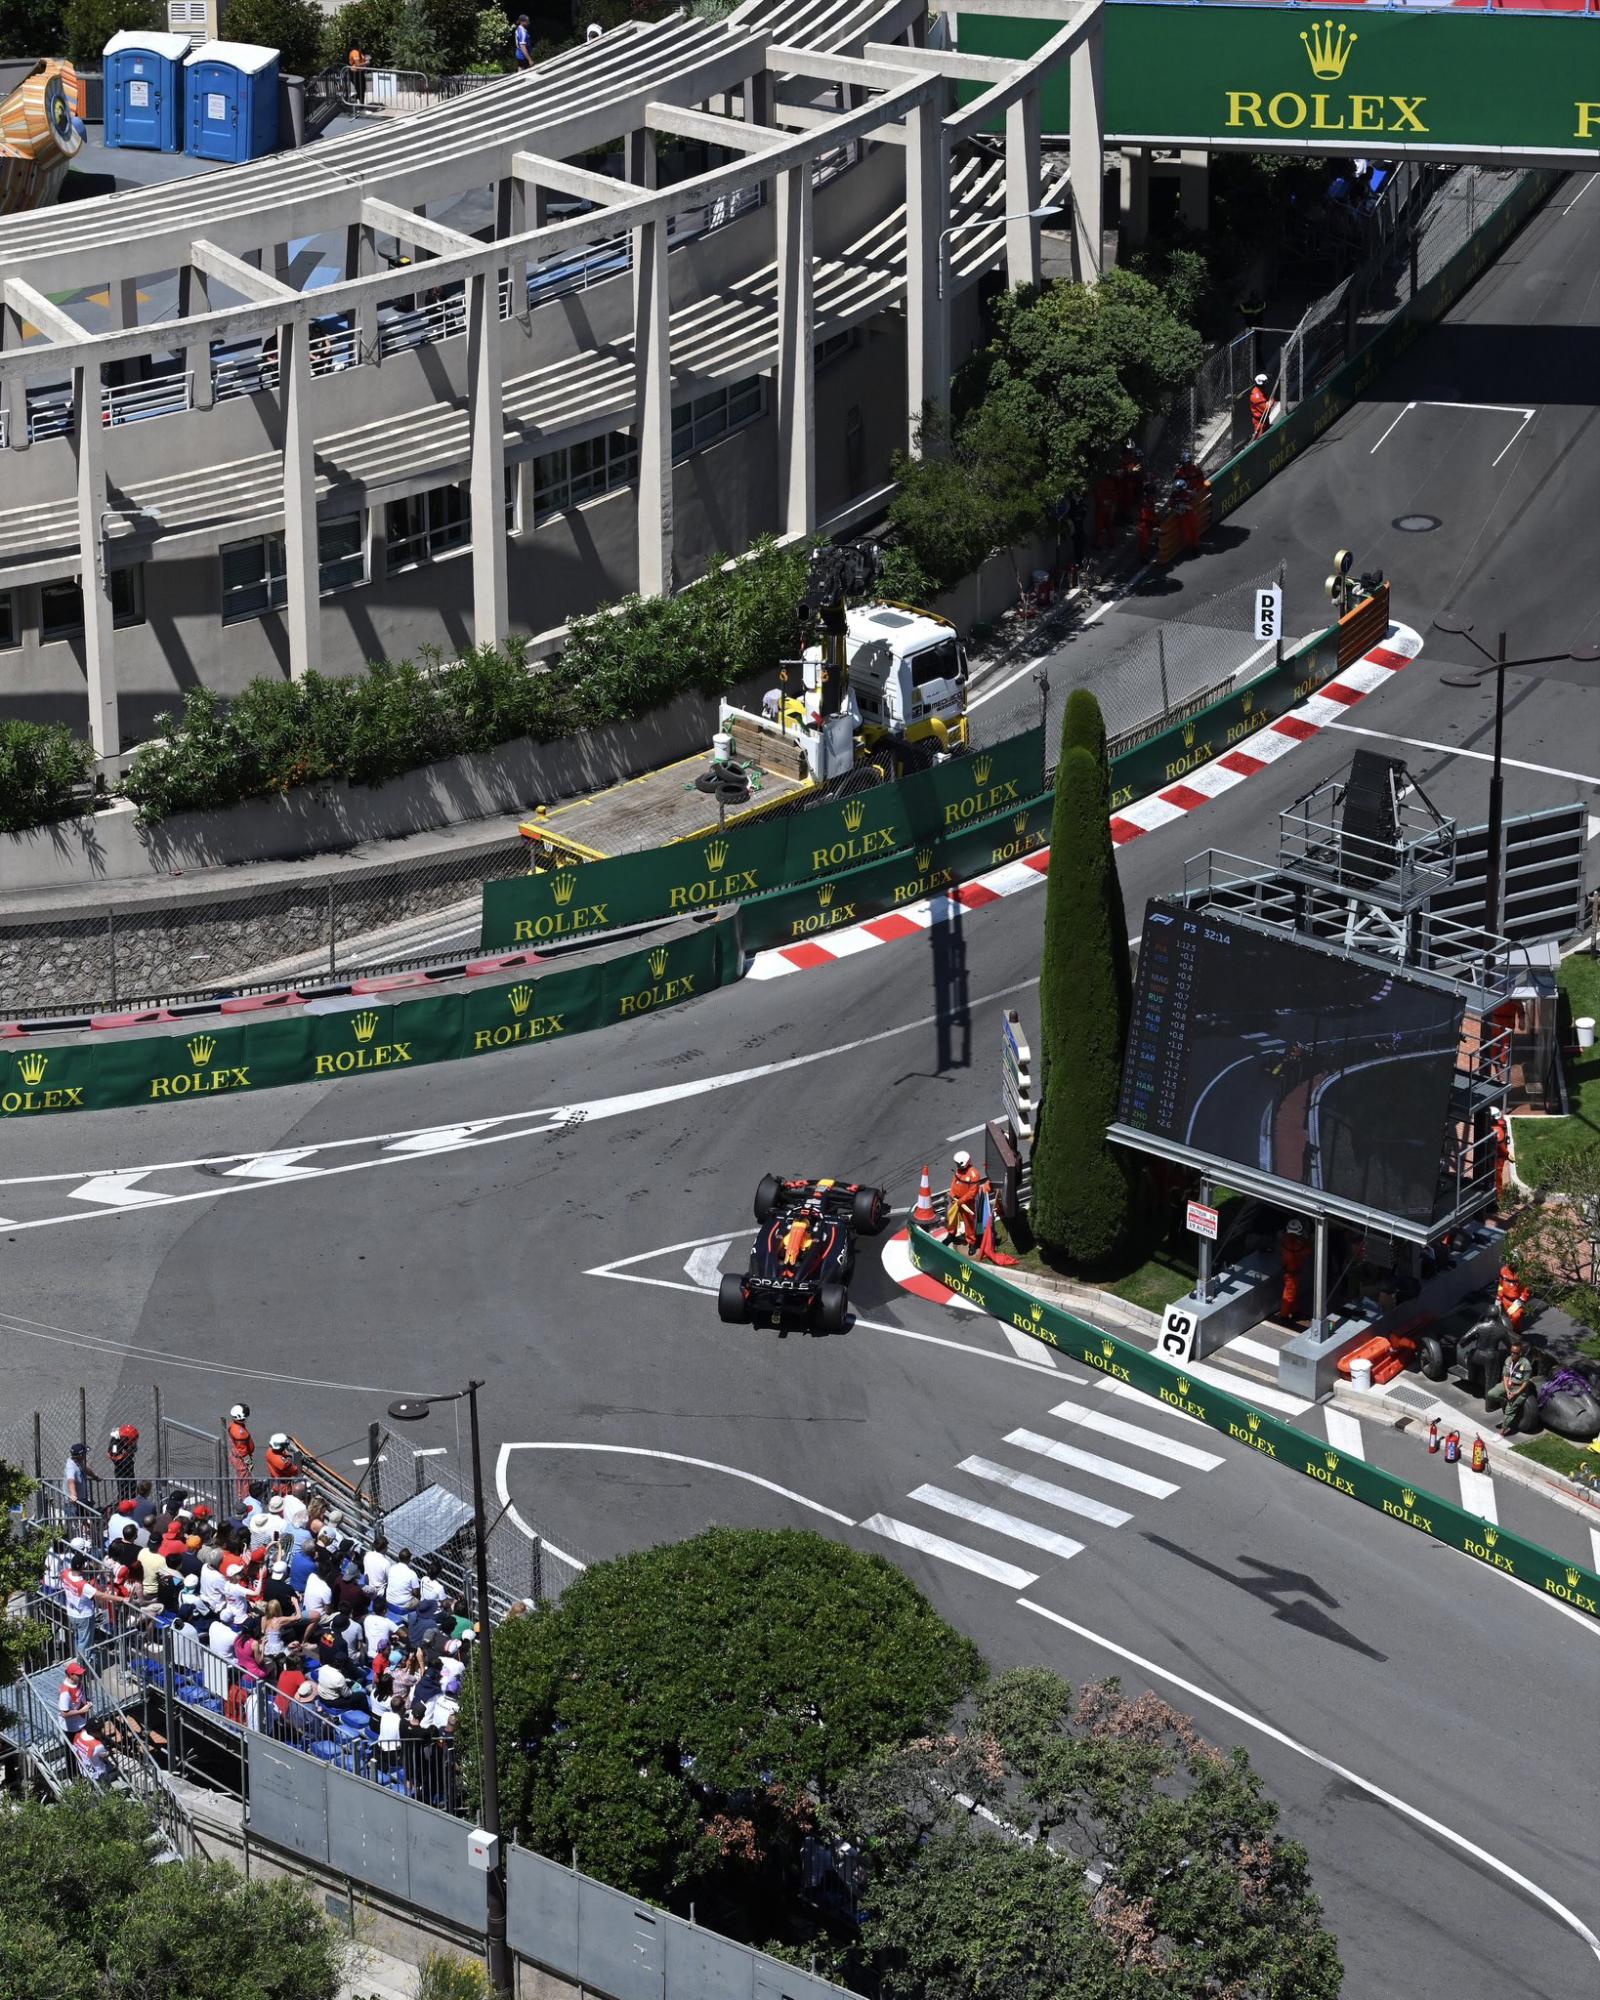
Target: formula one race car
(804, 1252)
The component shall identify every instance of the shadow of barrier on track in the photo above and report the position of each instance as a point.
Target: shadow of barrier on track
(362, 1035)
(1120, 1361)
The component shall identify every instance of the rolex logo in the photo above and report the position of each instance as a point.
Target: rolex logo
(825, 894)
(1573, 1579)
(981, 767)
(1247, 701)
(1407, 1497)
(1036, 1311)
(924, 860)
(201, 1049)
(1491, 1536)
(1183, 1385)
(1188, 736)
(854, 813)
(521, 998)
(716, 854)
(1331, 1460)
(1329, 48)
(365, 1026)
(33, 1068)
(1253, 1421)
(1020, 823)
(658, 960)
(1108, 1348)
(562, 887)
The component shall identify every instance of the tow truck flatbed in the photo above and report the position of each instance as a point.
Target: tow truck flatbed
(649, 811)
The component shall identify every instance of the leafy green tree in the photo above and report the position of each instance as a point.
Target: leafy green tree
(88, 25)
(676, 1718)
(455, 32)
(1082, 1188)
(292, 27)
(367, 25)
(491, 47)
(1556, 1239)
(413, 44)
(31, 28)
(1124, 1858)
(41, 764)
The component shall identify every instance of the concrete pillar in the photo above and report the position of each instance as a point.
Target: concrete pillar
(124, 303)
(1133, 197)
(760, 97)
(303, 607)
(361, 244)
(1194, 188)
(1022, 190)
(194, 297)
(927, 301)
(99, 632)
(797, 466)
(488, 475)
(652, 363)
(511, 219)
(1087, 113)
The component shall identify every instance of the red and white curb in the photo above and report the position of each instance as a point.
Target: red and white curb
(897, 1262)
(1400, 646)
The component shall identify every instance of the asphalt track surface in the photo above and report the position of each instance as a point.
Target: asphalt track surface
(1427, 1724)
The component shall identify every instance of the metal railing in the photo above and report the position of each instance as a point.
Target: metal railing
(434, 321)
(332, 353)
(243, 374)
(160, 396)
(50, 412)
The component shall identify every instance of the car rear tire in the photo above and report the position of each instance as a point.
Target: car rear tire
(769, 1192)
(867, 1210)
(730, 1300)
(1431, 1357)
(833, 1308)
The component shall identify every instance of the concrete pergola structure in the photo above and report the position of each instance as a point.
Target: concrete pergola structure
(232, 229)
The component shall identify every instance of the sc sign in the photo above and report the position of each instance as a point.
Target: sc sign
(1177, 1335)
(1269, 612)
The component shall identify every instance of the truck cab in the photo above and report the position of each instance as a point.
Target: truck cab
(908, 673)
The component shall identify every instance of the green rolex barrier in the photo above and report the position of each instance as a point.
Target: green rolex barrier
(365, 1037)
(691, 875)
(1311, 1457)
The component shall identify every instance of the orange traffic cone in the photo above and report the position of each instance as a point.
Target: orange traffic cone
(922, 1215)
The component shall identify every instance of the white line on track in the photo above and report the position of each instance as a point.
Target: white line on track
(1571, 205)
(1439, 1828)
(676, 1458)
(1066, 1498)
(945, 1550)
(998, 1522)
(1455, 750)
(1433, 403)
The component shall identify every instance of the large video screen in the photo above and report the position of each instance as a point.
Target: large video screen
(1290, 1059)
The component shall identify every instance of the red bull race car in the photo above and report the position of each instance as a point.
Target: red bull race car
(804, 1252)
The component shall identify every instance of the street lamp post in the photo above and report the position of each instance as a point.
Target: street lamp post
(1461, 628)
(992, 222)
(411, 1410)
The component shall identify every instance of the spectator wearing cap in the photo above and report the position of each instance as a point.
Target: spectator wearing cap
(73, 1705)
(262, 1524)
(82, 1595)
(350, 1592)
(77, 1481)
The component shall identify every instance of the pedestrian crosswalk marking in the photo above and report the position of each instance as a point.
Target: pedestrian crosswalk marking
(998, 1522)
(1136, 1434)
(1042, 1489)
(1477, 1494)
(1088, 1461)
(951, 1552)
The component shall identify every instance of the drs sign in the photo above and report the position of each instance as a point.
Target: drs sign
(1269, 613)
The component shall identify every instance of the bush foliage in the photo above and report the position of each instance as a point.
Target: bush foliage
(40, 764)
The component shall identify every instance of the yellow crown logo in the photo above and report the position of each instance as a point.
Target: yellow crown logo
(981, 767)
(1331, 1460)
(1253, 1421)
(1021, 822)
(658, 960)
(1247, 701)
(825, 894)
(365, 1025)
(1188, 736)
(1329, 48)
(1491, 1536)
(1183, 1385)
(201, 1049)
(1407, 1497)
(521, 998)
(1036, 1310)
(1573, 1579)
(716, 854)
(33, 1067)
(562, 887)
(855, 813)
(924, 860)
(1108, 1348)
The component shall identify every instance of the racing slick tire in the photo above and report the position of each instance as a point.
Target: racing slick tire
(769, 1192)
(730, 1300)
(1431, 1357)
(833, 1308)
(868, 1210)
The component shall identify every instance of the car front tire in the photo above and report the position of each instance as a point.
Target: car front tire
(769, 1192)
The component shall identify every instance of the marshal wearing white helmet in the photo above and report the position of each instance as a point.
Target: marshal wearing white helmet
(962, 1218)
(1260, 405)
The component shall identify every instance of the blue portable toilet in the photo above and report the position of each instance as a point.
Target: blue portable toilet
(230, 94)
(144, 90)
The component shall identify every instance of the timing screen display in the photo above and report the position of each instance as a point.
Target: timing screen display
(1329, 1072)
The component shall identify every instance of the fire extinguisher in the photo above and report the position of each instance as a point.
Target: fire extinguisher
(1452, 1447)
(1433, 1436)
(1480, 1454)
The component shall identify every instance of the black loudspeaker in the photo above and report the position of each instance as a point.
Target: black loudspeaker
(1371, 818)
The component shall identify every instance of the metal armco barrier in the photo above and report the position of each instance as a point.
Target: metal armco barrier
(350, 1037)
(1313, 1458)
(690, 875)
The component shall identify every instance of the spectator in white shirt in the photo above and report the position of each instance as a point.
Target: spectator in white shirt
(379, 1631)
(403, 1583)
(295, 1511)
(317, 1595)
(375, 1567)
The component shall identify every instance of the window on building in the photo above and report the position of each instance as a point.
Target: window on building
(341, 553)
(10, 635)
(563, 479)
(427, 525)
(709, 417)
(252, 578)
(61, 604)
(511, 499)
(832, 347)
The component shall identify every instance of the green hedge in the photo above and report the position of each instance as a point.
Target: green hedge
(40, 765)
(277, 734)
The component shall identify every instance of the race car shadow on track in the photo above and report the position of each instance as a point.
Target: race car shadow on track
(1286, 1590)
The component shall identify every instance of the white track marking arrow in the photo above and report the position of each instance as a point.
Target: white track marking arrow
(1029, 1348)
(117, 1190)
(276, 1167)
(704, 1263)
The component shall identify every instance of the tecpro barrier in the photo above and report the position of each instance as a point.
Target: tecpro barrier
(1296, 1450)
(359, 1036)
(1444, 82)
(690, 875)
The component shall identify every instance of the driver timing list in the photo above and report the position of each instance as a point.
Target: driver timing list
(1155, 1082)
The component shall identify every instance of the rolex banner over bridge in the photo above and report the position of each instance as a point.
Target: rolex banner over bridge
(1446, 84)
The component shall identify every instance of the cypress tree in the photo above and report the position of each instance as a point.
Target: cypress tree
(1082, 1187)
